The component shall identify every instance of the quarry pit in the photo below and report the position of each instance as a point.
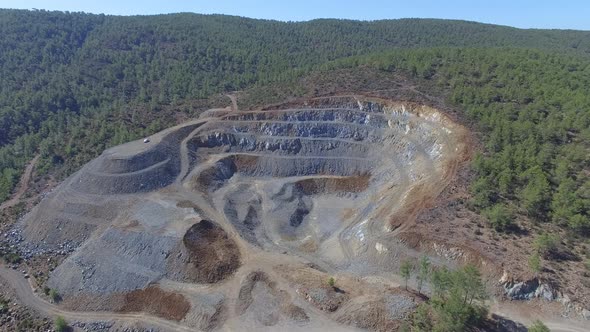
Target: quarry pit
(244, 215)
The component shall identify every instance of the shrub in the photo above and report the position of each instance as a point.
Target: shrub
(3, 304)
(546, 244)
(538, 326)
(535, 262)
(12, 258)
(500, 217)
(423, 271)
(406, 270)
(54, 295)
(331, 282)
(60, 324)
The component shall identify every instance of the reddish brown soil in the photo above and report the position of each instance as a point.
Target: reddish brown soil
(350, 184)
(245, 162)
(204, 181)
(155, 301)
(212, 255)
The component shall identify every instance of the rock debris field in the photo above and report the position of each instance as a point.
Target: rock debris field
(237, 219)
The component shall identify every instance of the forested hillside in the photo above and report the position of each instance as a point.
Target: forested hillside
(73, 84)
(533, 109)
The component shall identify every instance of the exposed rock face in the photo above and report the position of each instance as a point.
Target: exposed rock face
(529, 289)
(283, 176)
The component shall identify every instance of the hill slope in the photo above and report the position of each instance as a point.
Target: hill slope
(74, 84)
(66, 71)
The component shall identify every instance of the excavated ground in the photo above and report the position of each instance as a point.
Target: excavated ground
(207, 254)
(205, 212)
(156, 302)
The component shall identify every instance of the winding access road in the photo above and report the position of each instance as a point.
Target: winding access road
(27, 297)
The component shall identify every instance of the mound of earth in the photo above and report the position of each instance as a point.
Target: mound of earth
(259, 298)
(329, 181)
(385, 314)
(157, 302)
(207, 254)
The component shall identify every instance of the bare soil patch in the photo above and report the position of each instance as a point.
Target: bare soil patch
(370, 315)
(253, 288)
(158, 302)
(349, 184)
(208, 255)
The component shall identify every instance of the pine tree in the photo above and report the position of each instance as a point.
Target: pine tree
(406, 271)
(423, 271)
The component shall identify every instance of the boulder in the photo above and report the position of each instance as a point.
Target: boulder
(529, 289)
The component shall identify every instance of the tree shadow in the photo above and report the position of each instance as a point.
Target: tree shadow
(517, 230)
(499, 323)
(339, 290)
(562, 255)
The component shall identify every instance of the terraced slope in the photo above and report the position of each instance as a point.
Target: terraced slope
(286, 177)
(237, 198)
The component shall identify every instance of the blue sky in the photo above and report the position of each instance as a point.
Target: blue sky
(574, 14)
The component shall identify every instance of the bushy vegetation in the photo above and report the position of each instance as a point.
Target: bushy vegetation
(535, 263)
(405, 271)
(456, 300)
(423, 271)
(12, 258)
(500, 216)
(456, 303)
(331, 282)
(4, 305)
(54, 295)
(60, 324)
(546, 244)
(538, 326)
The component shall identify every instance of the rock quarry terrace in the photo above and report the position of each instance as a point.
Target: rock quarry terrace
(233, 218)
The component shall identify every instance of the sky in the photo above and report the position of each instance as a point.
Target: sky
(565, 14)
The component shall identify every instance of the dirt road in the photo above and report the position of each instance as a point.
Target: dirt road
(518, 312)
(22, 186)
(234, 102)
(25, 294)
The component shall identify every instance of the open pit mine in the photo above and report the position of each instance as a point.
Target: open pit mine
(238, 219)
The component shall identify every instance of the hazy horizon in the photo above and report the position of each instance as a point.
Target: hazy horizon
(526, 14)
